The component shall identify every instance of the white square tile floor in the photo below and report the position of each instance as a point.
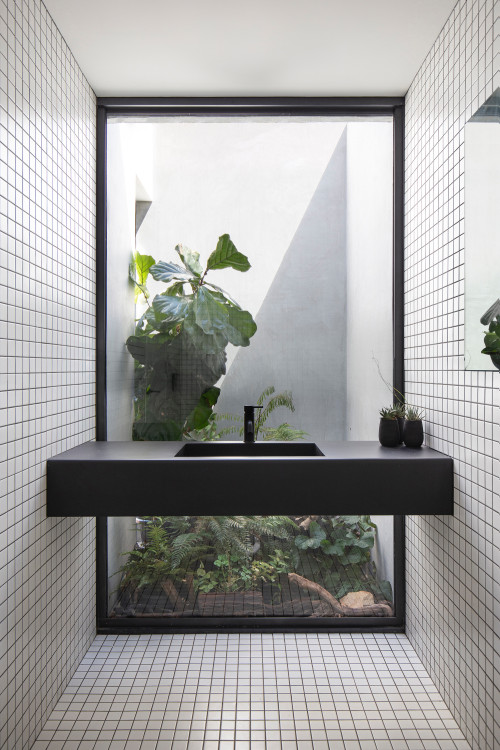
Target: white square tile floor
(285, 691)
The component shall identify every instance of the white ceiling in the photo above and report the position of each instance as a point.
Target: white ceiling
(243, 47)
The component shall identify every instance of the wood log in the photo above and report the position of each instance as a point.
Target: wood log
(321, 592)
(307, 522)
(381, 609)
(173, 595)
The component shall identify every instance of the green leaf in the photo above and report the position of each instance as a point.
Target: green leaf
(495, 326)
(171, 309)
(366, 541)
(143, 264)
(210, 396)
(337, 548)
(164, 271)
(176, 289)
(222, 295)
(199, 417)
(191, 259)
(210, 314)
(302, 542)
(138, 289)
(491, 338)
(136, 346)
(226, 255)
(355, 556)
(351, 520)
(329, 549)
(213, 317)
(243, 324)
(206, 343)
(316, 531)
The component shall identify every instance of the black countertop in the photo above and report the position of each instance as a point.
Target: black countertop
(146, 478)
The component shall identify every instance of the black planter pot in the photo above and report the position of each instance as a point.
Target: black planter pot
(401, 425)
(388, 433)
(413, 433)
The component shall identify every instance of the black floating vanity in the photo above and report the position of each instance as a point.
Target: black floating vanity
(219, 478)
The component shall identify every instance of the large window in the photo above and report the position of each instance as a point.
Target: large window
(249, 260)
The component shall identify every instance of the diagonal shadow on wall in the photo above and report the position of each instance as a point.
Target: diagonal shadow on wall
(300, 343)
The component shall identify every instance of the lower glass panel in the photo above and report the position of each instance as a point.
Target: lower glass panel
(250, 566)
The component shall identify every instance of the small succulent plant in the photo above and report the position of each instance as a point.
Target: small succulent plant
(400, 410)
(388, 412)
(414, 414)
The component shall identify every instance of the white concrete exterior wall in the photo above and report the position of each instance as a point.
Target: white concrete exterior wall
(369, 298)
(280, 189)
(129, 161)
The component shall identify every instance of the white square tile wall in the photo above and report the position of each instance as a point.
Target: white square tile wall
(453, 573)
(47, 384)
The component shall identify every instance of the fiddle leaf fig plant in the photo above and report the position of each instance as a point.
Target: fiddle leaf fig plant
(179, 342)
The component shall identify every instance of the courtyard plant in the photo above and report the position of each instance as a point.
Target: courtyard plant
(192, 556)
(179, 343)
(225, 425)
(492, 335)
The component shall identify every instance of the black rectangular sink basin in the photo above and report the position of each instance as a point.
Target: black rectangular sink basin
(247, 450)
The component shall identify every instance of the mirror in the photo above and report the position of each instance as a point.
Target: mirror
(482, 240)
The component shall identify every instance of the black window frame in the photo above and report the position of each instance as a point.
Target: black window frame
(235, 106)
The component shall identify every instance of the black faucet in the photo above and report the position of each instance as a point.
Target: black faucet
(249, 424)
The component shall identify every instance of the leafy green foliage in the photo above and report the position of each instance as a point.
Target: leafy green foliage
(284, 432)
(139, 270)
(179, 543)
(337, 551)
(230, 573)
(492, 338)
(229, 424)
(240, 553)
(200, 416)
(180, 341)
(349, 538)
(151, 564)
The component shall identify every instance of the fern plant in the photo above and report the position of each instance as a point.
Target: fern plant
(235, 535)
(151, 563)
(233, 423)
(175, 545)
(230, 574)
